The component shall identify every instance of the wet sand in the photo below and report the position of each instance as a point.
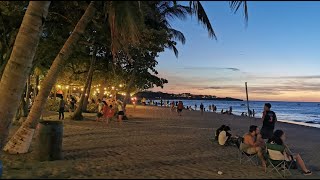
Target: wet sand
(156, 143)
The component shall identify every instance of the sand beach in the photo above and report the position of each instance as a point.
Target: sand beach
(156, 143)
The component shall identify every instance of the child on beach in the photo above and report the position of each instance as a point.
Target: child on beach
(172, 106)
(105, 110)
(110, 114)
(100, 110)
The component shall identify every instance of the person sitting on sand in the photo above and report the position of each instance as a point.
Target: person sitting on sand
(250, 145)
(224, 136)
(279, 138)
(218, 131)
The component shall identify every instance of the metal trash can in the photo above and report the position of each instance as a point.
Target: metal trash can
(50, 140)
(0, 169)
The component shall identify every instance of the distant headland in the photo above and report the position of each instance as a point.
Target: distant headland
(184, 96)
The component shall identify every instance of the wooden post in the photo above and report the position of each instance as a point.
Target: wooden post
(248, 101)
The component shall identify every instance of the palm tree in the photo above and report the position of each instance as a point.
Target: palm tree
(19, 65)
(78, 113)
(35, 113)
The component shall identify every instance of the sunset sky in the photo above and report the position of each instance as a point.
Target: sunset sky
(278, 53)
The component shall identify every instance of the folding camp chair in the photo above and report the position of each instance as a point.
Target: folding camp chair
(245, 157)
(277, 160)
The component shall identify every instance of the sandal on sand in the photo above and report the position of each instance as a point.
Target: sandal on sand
(307, 173)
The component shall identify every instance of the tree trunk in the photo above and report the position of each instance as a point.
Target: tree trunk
(27, 101)
(21, 140)
(36, 89)
(78, 113)
(19, 111)
(86, 99)
(130, 84)
(19, 65)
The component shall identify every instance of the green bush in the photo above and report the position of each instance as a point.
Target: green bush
(92, 108)
(52, 105)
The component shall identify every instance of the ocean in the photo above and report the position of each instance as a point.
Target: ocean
(302, 113)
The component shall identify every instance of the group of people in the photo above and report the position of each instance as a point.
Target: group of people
(179, 105)
(254, 141)
(107, 112)
(212, 108)
(252, 113)
(71, 100)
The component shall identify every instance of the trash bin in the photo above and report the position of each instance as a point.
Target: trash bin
(0, 169)
(50, 140)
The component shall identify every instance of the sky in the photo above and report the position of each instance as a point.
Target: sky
(277, 53)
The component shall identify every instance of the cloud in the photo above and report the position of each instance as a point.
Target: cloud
(210, 68)
(300, 77)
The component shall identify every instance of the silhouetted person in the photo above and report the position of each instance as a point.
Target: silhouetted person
(269, 119)
(201, 108)
(61, 108)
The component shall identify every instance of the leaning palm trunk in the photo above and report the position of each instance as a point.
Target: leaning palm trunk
(86, 99)
(78, 113)
(21, 140)
(36, 89)
(129, 86)
(19, 65)
(28, 91)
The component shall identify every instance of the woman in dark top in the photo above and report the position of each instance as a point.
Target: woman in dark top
(279, 138)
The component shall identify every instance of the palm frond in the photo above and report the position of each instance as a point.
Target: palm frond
(178, 35)
(177, 11)
(201, 14)
(235, 5)
(172, 45)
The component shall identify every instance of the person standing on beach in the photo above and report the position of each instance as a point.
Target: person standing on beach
(172, 106)
(269, 119)
(253, 113)
(210, 108)
(195, 107)
(61, 108)
(201, 108)
(180, 108)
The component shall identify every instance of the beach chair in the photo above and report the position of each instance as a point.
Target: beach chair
(276, 159)
(245, 157)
